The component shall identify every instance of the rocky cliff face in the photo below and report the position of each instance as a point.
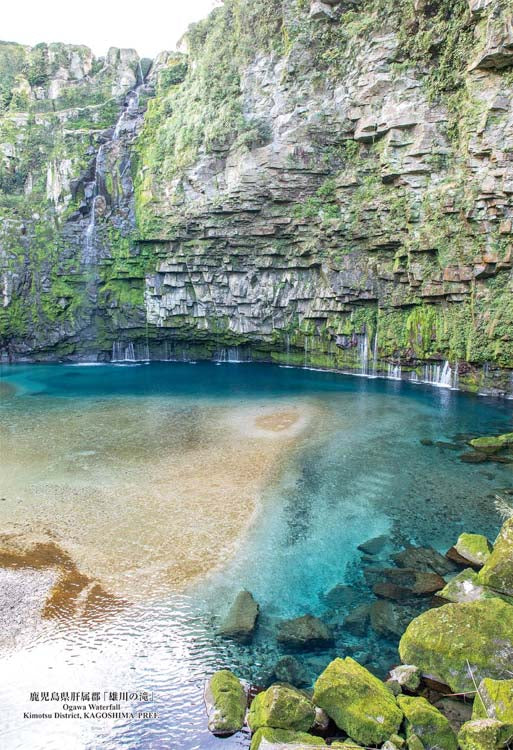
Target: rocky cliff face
(319, 183)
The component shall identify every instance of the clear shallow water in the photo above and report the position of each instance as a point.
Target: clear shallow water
(356, 470)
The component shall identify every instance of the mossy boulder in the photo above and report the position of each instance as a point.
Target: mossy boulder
(281, 707)
(494, 700)
(241, 620)
(446, 641)
(426, 721)
(484, 734)
(492, 444)
(498, 570)
(474, 547)
(268, 738)
(225, 700)
(357, 701)
(414, 743)
(463, 588)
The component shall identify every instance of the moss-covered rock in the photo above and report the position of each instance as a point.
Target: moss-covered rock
(357, 701)
(484, 734)
(494, 700)
(498, 571)
(426, 721)
(474, 547)
(446, 641)
(492, 444)
(225, 699)
(463, 588)
(414, 743)
(281, 707)
(269, 737)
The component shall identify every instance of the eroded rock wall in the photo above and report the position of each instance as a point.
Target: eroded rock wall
(322, 183)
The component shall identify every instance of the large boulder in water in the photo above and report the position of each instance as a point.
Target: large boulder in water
(241, 620)
(290, 670)
(267, 738)
(305, 632)
(225, 700)
(424, 558)
(494, 700)
(459, 643)
(282, 707)
(492, 444)
(497, 573)
(358, 702)
(427, 723)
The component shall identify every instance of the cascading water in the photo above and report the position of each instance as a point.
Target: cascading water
(442, 376)
(375, 356)
(394, 371)
(363, 353)
(123, 352)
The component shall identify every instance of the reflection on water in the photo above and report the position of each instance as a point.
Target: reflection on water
(133, 483)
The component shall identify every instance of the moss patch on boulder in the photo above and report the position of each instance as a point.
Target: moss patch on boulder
(358, 702)
(494, 700)
(225, 699)
(484, 734)
(474, 547)
(284, 737)
(426, 721)
(446, 641)
(498, 571)
(281, 707)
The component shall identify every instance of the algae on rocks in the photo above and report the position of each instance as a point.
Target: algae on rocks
(459, 644)
(281, 707)
(358, 702)
(225, 700)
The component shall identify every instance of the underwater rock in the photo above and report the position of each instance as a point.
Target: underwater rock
(406, 675)
(225, 701)
(448, 641)
(305, 632)
(497, 573)
(425, 559)
(281, 707)
(268, 738)
(341, 596)
(358, 702)
(427, 723)
(357, 621)
(241, 620)
(474, 547)
(374, 546)
(484, 734)
(389, 618)
(474, 458)
(288, 669)
(391, 591)
(419, 583)
(494, 700)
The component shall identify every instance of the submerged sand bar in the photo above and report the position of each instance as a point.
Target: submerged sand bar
(144, 495)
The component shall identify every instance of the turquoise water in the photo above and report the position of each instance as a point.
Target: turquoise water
(358, 470)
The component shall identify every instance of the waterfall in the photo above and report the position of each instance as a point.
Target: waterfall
(375, 355)
(287, 346)
(131, 105)
(363, 353)
(231, 355)
(306, 351)
(394, 371)
(442, 376)
(123, 352)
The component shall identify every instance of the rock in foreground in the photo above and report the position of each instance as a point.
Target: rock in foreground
(281, 707)
(498, 570)
(225, 699)
(427, 723)
(267, 738)
(443, 642)
(357, 702)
